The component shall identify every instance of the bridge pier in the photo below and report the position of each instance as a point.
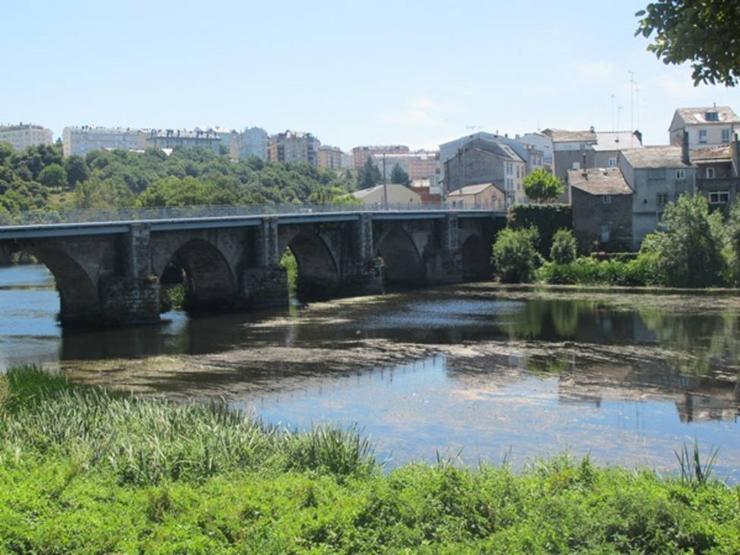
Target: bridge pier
(131, 296)
(265, 284)
(445, 266)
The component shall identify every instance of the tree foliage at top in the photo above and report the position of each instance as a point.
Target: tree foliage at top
(399, 175)
(38, 178)
(369, 175)
(703, 32)
(542, 186)
(515, 256)
(687, 250)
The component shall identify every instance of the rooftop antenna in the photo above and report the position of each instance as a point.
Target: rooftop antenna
(632, 99)
(619, 113)
(613, 112)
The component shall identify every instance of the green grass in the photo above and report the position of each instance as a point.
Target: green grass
(90, 471)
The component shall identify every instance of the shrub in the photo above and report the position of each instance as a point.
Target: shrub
(563, 250)
(688, 249)
(547, 218)
(514, 254)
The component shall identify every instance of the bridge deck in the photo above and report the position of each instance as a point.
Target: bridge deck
(174, 222)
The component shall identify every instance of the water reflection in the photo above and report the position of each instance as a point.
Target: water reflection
(625, 377)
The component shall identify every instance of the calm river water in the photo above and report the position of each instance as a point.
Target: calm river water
(470, 373)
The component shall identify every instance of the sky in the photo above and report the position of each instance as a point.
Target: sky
(415, 73)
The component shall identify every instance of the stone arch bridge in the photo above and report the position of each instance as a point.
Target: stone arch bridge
(109, 273)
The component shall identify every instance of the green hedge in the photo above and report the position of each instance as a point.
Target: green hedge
(547, 218)
(589, 271)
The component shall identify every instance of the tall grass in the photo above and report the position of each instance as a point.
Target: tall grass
(147, 441)
(694, 470)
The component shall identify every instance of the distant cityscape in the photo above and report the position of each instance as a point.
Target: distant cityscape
(617, 187)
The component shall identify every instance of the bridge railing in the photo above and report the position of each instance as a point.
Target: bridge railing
(38, 217)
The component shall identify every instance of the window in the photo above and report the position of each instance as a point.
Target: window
(606, 233)
(606, 199)
(680, 174)
(725, 135)
(719, 197)
(612, 162)
(661, 199)
(710, 173)
(711, 116)
(509, 169)
(576, 166)
(702, 135)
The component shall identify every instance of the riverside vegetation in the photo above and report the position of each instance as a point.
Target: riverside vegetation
(694, 247)
(83, 469)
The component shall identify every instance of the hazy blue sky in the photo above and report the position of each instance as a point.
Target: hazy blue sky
(352, 73)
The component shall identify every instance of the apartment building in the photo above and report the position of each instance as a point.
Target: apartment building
(24, 135)
(360, 154)
(253, 141)
(420, 164)
(718, 172)
(184, 138)
(81, 140)
(293, 146)
(710, 126)
(331, 157)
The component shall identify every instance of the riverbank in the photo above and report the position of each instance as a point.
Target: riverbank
(84, 469)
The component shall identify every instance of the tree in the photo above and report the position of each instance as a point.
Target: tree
(703, 32)
(53, 176)
(76, 170)
(687, 250)
(514, 254)
(543, 186)
(563, 250)
(399, 175)
(368, 175)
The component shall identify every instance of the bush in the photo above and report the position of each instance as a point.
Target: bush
(547, 218)
(515, 257)
(688, 248)
(563, 250)
(590, 271)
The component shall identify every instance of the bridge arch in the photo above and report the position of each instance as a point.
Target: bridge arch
(476, 258)
(318, 270)
(402, 262)
(206, 276)
(79, 301)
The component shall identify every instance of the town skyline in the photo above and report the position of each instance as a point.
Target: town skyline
(511, 70)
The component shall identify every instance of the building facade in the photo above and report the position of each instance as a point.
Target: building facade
(294, 147)
(485, 161)
(718, 173)
(602, 209)
(484, 196)
(391, 194)
(331, 157)
(710, 126)
(253, 141)
(657, 175)
(23, 135)
(420, 164)
(360, 154)
(208, 139)
(82, 140)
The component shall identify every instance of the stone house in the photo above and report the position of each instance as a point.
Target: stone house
(657, 175)
(602, 209)
(718, 172)
(484, 161)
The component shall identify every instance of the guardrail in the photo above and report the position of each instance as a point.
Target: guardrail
(39, 217)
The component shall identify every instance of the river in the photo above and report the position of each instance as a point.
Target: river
(467, 373)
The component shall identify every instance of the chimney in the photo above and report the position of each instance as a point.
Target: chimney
(735, 147)
(685, 158)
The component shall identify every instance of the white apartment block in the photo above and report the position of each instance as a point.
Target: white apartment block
(23, 135)
(81, 140)
(253, 141)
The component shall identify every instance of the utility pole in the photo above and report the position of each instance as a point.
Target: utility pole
(385, 186)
